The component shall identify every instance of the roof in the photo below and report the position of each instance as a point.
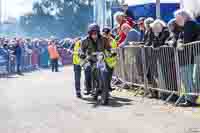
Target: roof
(138, 2)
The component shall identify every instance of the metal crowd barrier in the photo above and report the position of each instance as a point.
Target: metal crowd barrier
(189, 68)
(164, 69)
(160, 69)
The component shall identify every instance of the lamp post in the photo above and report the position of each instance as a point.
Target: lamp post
(94, 11)
(1, 9)
(157, 9)
(181, 4)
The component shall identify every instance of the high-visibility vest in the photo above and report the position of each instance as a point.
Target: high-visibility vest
(112, 61)
(53, 52)
(76, 58)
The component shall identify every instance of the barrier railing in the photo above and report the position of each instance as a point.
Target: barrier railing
(165, 69)
(161, 68)
(189, 68)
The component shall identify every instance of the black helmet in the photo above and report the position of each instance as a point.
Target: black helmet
(106, 30)
(93, 28)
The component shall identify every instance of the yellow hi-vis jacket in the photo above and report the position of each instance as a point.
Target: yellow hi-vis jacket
(76, 58)
(112, 61)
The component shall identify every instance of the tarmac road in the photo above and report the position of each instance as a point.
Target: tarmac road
(44, 102)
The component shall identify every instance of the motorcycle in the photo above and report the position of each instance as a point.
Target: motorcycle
(99, 76)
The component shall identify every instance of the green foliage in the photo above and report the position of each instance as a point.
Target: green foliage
(59, 18)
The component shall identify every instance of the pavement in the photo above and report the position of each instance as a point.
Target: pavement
(45, 102)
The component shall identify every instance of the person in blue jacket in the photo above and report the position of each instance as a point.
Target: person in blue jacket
(18, 54)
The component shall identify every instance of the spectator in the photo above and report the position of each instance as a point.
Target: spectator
(149, 64)
(6, 48)
(148, 30)
(141, 28)
(191, 31)
(191, 27)
(18, 54)
(175, 33)
(160, 34)
(107, 33)
(157, 39)
(124, 27)
(132, 36)
(54, 56)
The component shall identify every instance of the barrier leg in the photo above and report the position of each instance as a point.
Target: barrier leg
(144, 73)
(177, 65)
(178, 101)
(169, 97)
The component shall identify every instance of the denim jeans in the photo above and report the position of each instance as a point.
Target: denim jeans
(88, 78)
(19, 65)
(54, 65)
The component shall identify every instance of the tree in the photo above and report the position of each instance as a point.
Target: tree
(58, 17)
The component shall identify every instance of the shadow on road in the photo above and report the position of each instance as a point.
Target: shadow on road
(12, 77)
(9, 77)
(113, 102)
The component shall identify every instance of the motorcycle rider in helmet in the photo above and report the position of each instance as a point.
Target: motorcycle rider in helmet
(93, 42)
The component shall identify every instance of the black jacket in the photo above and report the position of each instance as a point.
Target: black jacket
(176, 35)
(88, 46)
(191, 31)
(157, 41)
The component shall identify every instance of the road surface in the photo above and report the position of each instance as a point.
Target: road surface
(44, 102)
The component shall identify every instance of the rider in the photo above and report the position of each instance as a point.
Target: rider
(94, 42)
(112, 60)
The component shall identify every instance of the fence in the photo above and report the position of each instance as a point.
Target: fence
(31, 60)
(165, 69)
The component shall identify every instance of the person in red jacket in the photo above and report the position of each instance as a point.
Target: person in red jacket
(124, 27)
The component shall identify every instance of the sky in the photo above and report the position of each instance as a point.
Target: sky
(15, 8)
(18, 7)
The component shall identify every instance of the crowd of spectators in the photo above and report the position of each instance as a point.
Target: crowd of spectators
(155, 33)
(20, 55)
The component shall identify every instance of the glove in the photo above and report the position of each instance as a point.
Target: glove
(114, 54)
(82, 56)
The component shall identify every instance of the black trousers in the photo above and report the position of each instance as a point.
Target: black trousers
(54, 65)
(18, 65)
(77, 76)
(110, 74)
